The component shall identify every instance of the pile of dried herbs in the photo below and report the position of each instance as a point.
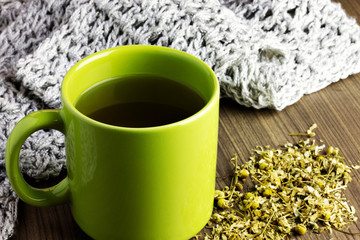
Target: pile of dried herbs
(297, 188)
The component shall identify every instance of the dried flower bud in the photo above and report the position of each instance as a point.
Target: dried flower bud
(300, 229)
(332, 151)
(267, 192)
(217, 217)
(243, 173)
(263, 165)
(249, 195)
(255, 205)
(219, 194)
(223, 203)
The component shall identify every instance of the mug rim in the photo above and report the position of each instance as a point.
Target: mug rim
(215, 95)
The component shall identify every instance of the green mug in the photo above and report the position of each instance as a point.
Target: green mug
(153, 182)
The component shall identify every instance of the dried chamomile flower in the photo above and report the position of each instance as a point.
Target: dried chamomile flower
(308, 133)
(297, 189)
(267, 192)
(222, 203)
(219, 194)
(300, 229)
(243, 173)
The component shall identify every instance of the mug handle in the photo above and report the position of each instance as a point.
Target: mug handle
(57, 194)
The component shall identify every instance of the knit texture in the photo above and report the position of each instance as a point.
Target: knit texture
(265, 53)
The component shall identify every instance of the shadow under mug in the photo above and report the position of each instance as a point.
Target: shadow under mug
(130, 183)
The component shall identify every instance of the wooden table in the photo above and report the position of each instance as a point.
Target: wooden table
(336, 110)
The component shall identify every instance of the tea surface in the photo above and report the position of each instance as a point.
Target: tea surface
(139, 101)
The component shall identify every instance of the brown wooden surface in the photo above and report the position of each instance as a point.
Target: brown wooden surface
(336, 110)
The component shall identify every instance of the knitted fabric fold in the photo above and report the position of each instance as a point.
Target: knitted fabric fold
(265, 53)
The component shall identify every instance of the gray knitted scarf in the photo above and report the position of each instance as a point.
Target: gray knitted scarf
(266, 54)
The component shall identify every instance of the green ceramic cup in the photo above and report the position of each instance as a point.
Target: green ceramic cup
(130, 183)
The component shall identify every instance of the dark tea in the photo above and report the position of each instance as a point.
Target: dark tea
(139, 101)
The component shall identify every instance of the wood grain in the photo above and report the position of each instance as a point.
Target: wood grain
(336, 110)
